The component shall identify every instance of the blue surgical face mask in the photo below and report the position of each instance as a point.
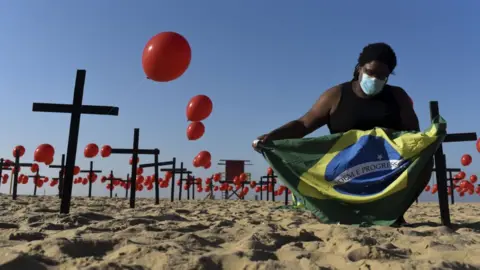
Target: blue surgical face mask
(371, 86)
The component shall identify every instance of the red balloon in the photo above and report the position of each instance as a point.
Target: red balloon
(34, 168)
(43, 153)
(140, 171)
(466, 160)
(91, 150)
(106, 151)
(39, 184)
(166, 57)
(195, 131)
(199, 108)
(243, 177)
(269, 171)
(20, 149)
(478, 145)
(131, 160)
(76, 170)
(473, 178)
(203, 158)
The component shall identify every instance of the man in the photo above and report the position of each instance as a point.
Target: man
(363, 103)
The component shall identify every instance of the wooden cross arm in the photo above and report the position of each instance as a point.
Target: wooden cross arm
(147, 165)
(139, 151)
(23, 164)
(176, 170)
(87, 171)
(56, 166)
(461, 137)
(68, 108)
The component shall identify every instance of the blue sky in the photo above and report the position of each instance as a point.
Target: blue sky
(263, 63)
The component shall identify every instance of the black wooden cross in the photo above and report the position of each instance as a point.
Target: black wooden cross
(90, 172)
(17, 165)
(450, 178)
(135, 151)
(76, 109)
(441, 166)
(2, 168)
(60, 175)
(112, 178)
(157, 164)
(175, 171)
(36, 177)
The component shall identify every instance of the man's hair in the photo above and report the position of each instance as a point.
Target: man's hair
(381, 52)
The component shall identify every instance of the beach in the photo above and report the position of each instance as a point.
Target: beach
(104, 233)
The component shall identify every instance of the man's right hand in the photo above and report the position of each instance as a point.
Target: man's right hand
(262, 139)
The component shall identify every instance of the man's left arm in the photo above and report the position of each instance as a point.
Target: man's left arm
(407, 113)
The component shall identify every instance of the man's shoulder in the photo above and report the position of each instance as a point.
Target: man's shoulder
(337, 89)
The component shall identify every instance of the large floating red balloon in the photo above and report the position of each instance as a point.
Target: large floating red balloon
(166, 57)
(199, 108)
(195, 131)
(466, 160)
(478, 145)
(91, 150)
(43, 153)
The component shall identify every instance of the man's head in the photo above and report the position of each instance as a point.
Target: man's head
(375, 64)
(377, 60)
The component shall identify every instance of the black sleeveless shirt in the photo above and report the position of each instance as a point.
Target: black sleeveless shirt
(354, 112)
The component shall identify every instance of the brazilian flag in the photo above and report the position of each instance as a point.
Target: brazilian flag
(357, 177)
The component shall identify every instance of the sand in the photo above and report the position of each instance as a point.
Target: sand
(103, 233)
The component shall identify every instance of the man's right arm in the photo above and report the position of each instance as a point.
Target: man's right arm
(314, 119)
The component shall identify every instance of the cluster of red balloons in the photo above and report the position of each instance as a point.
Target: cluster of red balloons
(462, 184)
(115, 182)
(199, 108)
(166, 57)
(270, 188)
(7, 164)
(91, 177)
(23, 179)
(92, 150)
(203, 159)
(149, 181)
